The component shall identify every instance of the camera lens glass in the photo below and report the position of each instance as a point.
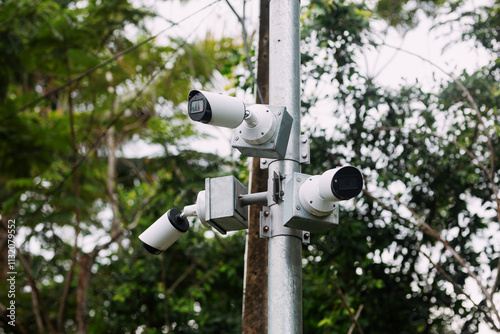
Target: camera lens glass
(347, 183)
(196, 106)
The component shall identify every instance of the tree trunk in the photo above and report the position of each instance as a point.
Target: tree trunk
(255, 292)
(84, 272)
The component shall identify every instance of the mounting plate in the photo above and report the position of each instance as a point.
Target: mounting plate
(276, 141)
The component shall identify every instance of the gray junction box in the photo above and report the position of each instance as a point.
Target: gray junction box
(222, 206)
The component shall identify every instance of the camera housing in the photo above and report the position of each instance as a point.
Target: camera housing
(319, 192)
(215, 109)
(311, 202)
(164, 232)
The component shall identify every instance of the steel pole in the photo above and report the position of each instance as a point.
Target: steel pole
(285, 244)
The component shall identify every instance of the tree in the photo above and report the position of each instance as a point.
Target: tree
(405, 254)
(78, 203)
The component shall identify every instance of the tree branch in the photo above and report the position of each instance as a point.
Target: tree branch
(358, 313)
(32, 282)
(346, 306)
(459, 289)
(490, 176)
(427, 229)
(469, 97)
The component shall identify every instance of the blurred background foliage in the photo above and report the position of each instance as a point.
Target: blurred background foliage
(404, 256)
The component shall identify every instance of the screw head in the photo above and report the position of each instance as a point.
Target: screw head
(299, 179)
(236, 138)
(266, 213)
(266, 228)
(306, 236)
(297, 207)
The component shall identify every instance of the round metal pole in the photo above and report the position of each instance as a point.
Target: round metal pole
(285, 244)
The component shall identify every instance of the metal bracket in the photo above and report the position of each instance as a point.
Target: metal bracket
(274, 145)
(305, 153)
(305, 149)
(269, 230)
(265, 223)
(264, 163)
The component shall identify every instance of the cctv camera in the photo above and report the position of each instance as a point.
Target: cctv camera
(215, 109)
(164, 232)
(319, 192)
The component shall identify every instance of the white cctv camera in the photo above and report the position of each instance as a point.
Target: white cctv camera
(164, 232)
(319, 192)
(215, 109)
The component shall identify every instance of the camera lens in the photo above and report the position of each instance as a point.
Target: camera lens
(347, 183)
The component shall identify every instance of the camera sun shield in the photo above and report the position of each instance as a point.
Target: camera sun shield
(215, 109)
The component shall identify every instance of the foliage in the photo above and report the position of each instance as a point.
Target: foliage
(75, 179)
(407, 250)
(80, 203)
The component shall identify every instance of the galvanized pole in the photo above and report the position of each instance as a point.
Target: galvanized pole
(285, 244)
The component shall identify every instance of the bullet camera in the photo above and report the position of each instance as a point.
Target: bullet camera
(215, 109)
(319, 192)
(164, 232)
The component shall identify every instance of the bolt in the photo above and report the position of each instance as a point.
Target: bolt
(272, 140)
(236, 138)
(306, 236)
(304, 140)
(266, 228)
(304, 155)
(266, 213)
(279, 113)
(264, 162)
(298, 179)
(297, 207)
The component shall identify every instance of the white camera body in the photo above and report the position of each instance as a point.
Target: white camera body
(215, 109)
(311, 202)
(164, 232)
(319, 192)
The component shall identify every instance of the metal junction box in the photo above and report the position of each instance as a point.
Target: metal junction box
(222, 208)
(296, 216)
(275, 146)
